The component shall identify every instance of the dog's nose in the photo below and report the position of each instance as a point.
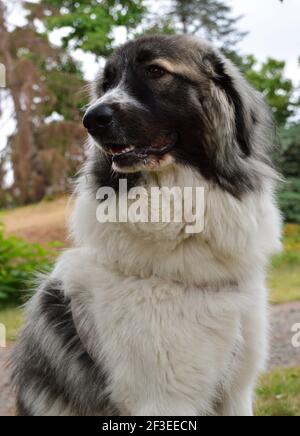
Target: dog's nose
(98, 117)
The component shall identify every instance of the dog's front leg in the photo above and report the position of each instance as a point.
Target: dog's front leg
(238, 404)
(240, 394)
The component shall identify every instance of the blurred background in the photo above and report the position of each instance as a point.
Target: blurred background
(51, 49)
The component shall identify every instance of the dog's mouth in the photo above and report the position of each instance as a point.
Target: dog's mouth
(128, 156)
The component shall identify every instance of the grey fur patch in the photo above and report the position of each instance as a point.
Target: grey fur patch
(51, 363)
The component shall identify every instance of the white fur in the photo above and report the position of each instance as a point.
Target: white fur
(181, 319)
(118, 95)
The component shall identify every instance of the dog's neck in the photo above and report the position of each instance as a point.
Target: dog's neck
(236, 240)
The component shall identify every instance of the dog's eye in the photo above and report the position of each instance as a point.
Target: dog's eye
(155, 72)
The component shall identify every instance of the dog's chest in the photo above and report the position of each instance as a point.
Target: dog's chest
(160, 339)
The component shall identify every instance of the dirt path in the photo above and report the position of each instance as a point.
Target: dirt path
(283, 353)
(6, 397)
(42, 223)
(284, 317)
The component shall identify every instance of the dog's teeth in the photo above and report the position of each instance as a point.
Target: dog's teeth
(128, 149)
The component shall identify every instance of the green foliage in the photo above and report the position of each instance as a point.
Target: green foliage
(269, 79)
(289, 200)
(284, 277)
(288, 161)
(288, 156)
(19, 261)
(92, 22)
(64, 85)
(278, 393)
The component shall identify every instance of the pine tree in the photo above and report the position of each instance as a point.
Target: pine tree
(211, 19)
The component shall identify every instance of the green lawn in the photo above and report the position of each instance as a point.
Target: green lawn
(278, 393)
(284, 284)
(284, 278)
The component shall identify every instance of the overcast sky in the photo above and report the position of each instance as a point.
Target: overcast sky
(274, 30)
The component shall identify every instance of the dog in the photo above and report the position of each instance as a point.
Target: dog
(143, 319)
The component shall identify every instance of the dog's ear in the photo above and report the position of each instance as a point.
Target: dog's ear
(244, 116)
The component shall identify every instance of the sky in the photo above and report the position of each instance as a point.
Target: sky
(274, 31)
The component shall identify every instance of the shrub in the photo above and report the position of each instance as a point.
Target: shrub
(19, 261)
(289, 199)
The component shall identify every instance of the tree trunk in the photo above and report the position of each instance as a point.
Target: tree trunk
(28, 182)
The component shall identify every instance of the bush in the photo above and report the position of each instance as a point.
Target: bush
(19, 261)
(287, 156)
(289, 199)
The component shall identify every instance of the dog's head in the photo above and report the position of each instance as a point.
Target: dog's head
(174, 99)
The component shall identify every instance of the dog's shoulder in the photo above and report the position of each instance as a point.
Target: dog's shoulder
(53, 370)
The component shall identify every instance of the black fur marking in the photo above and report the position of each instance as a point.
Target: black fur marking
(102, 175)
(51, 362)
(21, 409)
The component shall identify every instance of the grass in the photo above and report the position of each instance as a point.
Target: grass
(284, 283)
(12, 319)
(284, 279)
(279, 393)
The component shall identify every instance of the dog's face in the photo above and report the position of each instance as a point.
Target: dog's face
(162, 100)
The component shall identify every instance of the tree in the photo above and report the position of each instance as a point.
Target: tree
(268, 78)
(41, 81)
(287, 158)
(92, 22)
(23, 110)
(211, 19)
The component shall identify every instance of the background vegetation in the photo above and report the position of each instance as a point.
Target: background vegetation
(19, 261)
